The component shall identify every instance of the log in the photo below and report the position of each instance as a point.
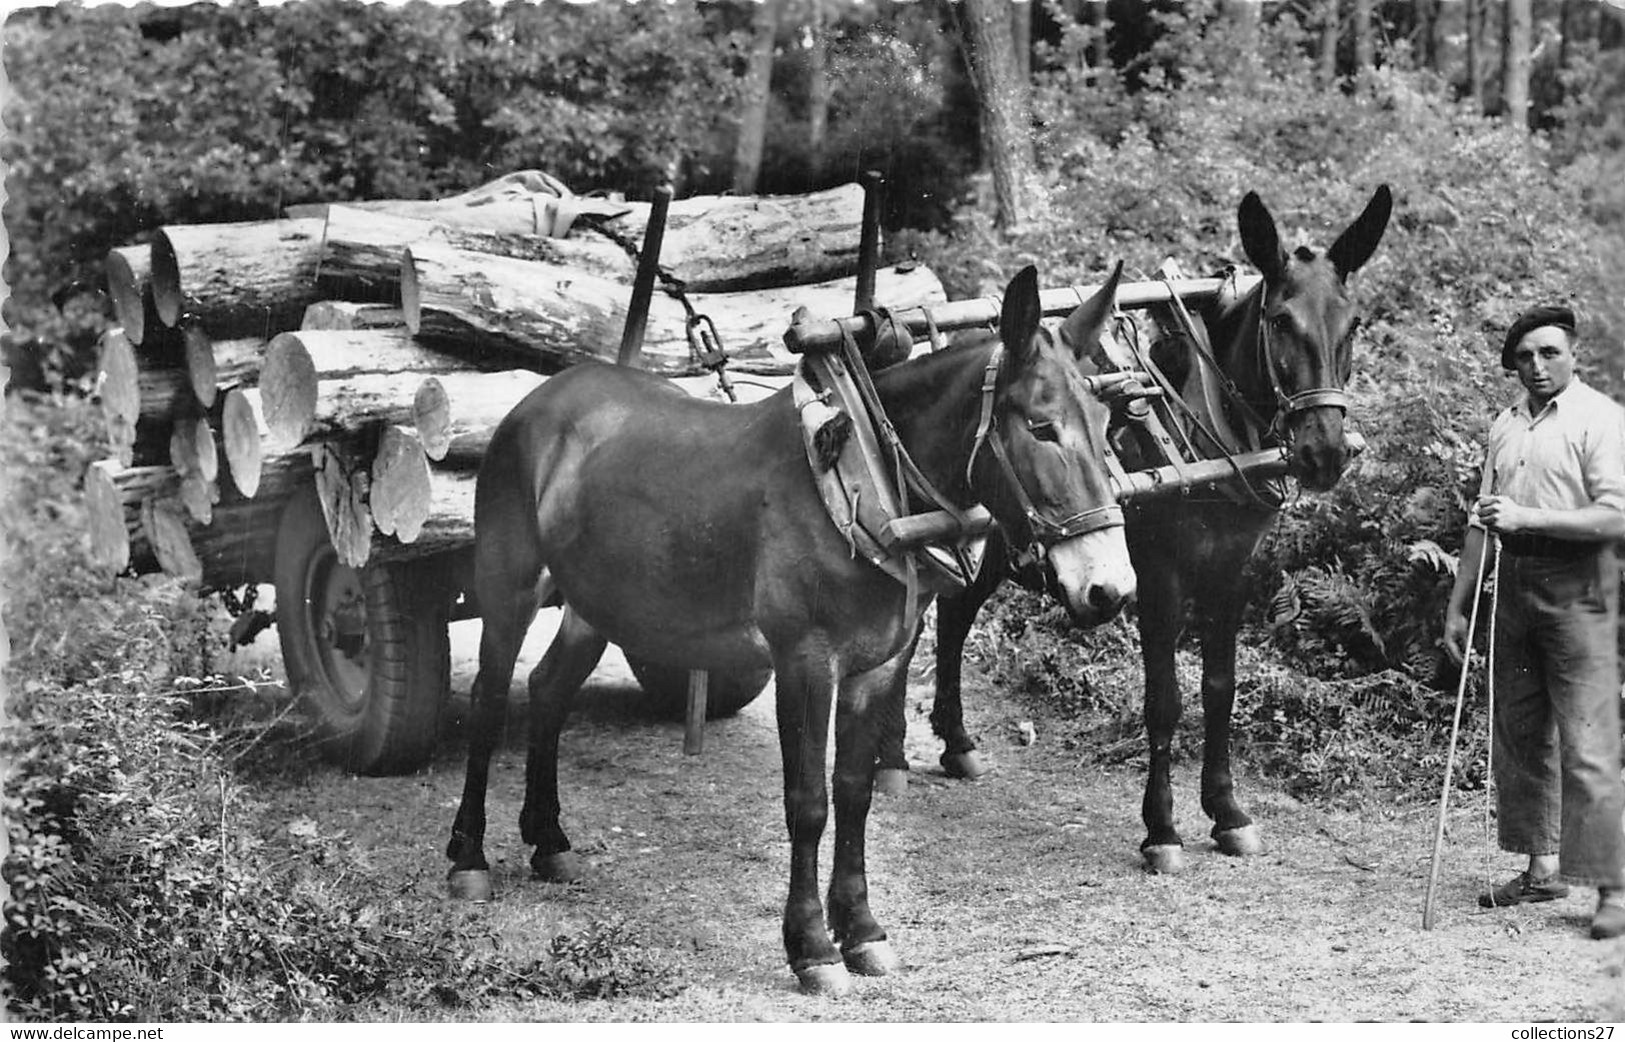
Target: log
(113, 497)
(344, 406)
(342, 487)
(399, 496)
(448, 523)
(129, 272)
(562, 317)
(522, 202)
(216, 366)
(118, 387)
(164, 523)
(722, 243)
(242, 437)
(297, 364)
(192, 449)
(238, 279)
(456, 413)
(350, 314)
(712, 243)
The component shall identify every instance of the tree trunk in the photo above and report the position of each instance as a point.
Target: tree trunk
(1427, 33)
(1364, 47)
(1328, 42)
(757, 91)
(1515, 43)
(525, 202)
(1002, 104)
(118, 383)
(1021, 42)
(1473, 12)
(818, 92)
(554, 317)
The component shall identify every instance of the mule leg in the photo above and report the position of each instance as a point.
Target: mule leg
(1159, 618)
(507, 615)
(805, 690)
(954, 618)
(1233, 831)
(569, 660)
(864, 698)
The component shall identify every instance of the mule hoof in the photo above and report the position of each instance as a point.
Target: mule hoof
(891, 781)
(563, 867)
(1241, 842)
(872, 959)
(826, 978)
(1164, 859)
(966, 765)
(471, 884)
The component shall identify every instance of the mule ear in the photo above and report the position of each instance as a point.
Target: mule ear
(1355, 246)
(1081, 330)
(1259, 239)
(1020, 313)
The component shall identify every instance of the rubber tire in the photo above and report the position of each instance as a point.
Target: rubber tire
(386, 718)
(666, 688)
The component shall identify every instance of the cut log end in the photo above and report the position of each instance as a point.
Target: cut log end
(128, 270)
(119, 380)
(242, 431)
(165, 282)
(411, 292)
(109, 534)
(342, 489)
(400, 492)
(201, 371)
(163, 519)
(288, 389)
(431, 416)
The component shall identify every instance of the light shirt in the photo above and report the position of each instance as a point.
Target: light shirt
(1569, 455)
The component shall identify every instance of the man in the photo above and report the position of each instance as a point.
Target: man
(1553, 492)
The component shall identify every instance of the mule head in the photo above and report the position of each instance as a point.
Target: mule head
(1049, 488)
(1305, 333)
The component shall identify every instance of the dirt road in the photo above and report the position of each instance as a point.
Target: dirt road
(1018, 897)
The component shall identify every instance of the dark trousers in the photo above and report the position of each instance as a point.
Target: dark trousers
(1557, 720)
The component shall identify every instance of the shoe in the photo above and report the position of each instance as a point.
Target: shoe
(1523, 889)
(1609, 922)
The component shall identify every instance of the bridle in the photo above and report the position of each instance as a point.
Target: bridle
(1289, 405)
(1044, 532)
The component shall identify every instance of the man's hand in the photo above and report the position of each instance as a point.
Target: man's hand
(1500, 514)
(1455, 635)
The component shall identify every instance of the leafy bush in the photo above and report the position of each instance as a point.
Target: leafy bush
(144, 882)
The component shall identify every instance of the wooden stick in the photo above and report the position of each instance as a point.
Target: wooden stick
(1455, 729)
(694, 719)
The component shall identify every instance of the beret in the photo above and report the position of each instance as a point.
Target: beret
(1534, 318)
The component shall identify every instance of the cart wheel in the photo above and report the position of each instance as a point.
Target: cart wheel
(366, 649)
(667, 689)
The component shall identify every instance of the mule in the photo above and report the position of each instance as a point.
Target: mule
(1287, 346)
(692, 535)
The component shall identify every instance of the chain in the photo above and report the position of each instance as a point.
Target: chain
(239, 605)
(704, 344)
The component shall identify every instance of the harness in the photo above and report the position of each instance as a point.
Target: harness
(1201, 415)
(867, 488)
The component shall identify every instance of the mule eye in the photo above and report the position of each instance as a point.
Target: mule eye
(1281, 323)
(1044, 430)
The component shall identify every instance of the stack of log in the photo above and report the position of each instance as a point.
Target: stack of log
(373, 348)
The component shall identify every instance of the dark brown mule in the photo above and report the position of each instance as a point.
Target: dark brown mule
(1287, 346)
(692, 535)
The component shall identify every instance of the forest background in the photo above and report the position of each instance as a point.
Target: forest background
(1058, 132)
